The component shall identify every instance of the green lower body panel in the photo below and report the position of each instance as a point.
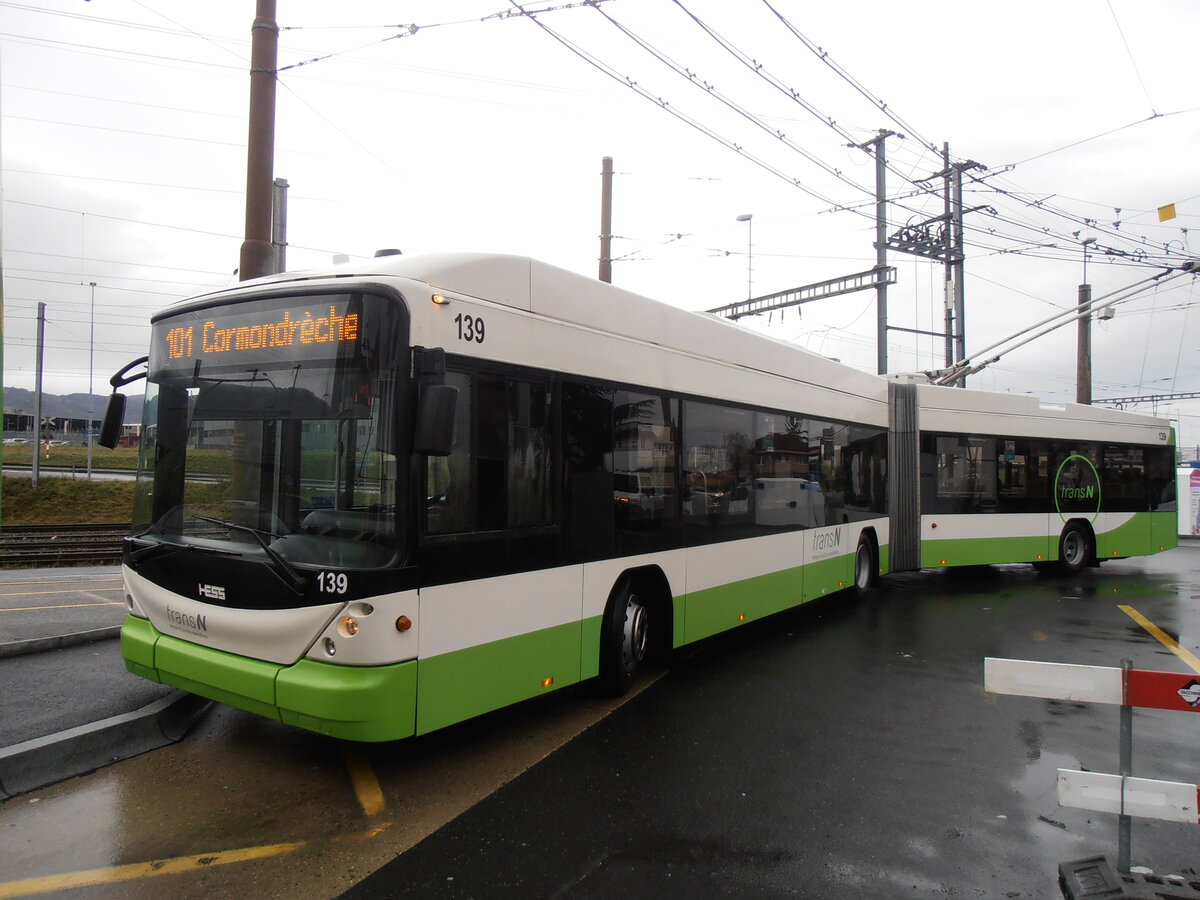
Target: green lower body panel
(718, 609)
(827, 576)
(589, 659)
(455, 686)
(1145, 533)
(711, 611)
(370, 703)
(987, 551)
(1164, 531)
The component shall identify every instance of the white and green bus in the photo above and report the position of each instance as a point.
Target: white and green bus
(381, 499)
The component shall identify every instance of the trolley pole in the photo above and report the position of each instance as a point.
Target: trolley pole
(257, 250)
(606, 175)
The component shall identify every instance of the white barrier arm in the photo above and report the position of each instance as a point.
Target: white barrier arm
(1052, 681)
(1171, 801)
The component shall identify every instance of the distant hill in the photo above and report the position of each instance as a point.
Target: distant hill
(68, 406)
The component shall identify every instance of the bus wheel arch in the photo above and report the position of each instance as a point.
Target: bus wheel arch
(866, 561)
(636, 626)
(1076, 546)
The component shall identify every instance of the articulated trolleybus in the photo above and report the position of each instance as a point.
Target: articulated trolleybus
(379, 500)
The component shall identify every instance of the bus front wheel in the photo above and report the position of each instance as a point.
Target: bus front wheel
(624, 642)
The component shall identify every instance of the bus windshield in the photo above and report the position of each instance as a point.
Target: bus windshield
(269, 428)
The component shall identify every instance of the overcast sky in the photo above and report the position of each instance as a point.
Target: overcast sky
(124, 128)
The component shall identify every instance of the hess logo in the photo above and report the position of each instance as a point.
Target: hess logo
(212, 591)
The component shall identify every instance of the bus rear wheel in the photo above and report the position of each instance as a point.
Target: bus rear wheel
(1074, 550)
(864, 566)
(624, 641)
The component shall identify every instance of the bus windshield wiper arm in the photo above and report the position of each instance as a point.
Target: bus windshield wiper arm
(291, 577)
(156, 548)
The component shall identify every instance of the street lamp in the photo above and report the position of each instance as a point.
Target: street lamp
(748, 218)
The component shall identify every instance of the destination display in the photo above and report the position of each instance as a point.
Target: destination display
(319, 329)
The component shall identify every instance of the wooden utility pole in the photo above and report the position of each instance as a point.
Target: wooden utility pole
(257, 250)
(1083, 366)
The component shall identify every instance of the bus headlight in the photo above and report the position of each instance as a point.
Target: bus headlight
(347, 627)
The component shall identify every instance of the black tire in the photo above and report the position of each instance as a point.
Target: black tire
(1074, 550)
(624, 640)
(864, 566)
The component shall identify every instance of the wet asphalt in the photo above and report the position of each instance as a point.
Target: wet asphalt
(50, 689)
(844, 750)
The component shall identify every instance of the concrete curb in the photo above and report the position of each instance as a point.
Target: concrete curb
(42, 761)
(37, 645)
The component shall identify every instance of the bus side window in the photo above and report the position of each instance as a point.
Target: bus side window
(530, 499)
(448, 489)
(497, 475)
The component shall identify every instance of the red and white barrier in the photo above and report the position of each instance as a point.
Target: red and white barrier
(1092, 684)
(1121, 795)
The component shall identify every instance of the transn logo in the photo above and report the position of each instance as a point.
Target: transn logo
(212, 591)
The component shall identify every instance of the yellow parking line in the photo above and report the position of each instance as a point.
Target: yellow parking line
(1163, 638)
(366, 785)
(29, 886)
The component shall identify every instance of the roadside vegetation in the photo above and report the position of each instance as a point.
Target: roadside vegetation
(102, 457)
(65, 501)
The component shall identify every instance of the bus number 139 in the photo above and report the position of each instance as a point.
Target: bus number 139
(470, 328)
(332, 582)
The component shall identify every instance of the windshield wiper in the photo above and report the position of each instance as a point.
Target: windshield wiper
(282, 567)
(145, 550)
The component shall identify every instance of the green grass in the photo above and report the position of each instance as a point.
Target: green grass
(215, 462)
(102, 458)
(65, 501)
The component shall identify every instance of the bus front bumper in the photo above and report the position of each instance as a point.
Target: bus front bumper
(356, 703)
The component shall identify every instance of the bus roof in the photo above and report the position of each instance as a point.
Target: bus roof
(527, 284)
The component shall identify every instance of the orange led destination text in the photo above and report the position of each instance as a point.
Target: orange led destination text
(287, 332)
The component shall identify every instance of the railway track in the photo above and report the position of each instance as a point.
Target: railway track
(23, 546)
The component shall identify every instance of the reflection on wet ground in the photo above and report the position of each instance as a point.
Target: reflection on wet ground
(842, 750)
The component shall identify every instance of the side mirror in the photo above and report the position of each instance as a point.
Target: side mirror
(114, 418)
(114, 414)
(434, 434)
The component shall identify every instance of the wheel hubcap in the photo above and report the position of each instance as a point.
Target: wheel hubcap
(862, 569)
(1073, 548)
(633, 644)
